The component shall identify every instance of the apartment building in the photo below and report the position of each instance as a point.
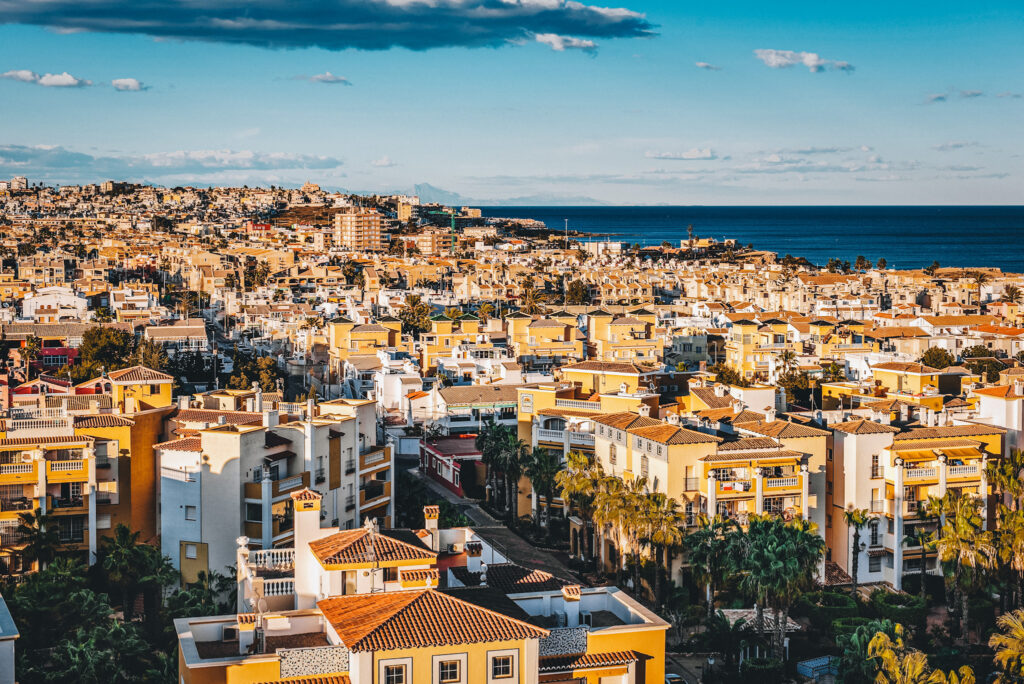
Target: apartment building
(363, 606)
(623, 338)
(233, 472)
(446, 334)
(548, 342)
(891, 471)
(358, 230)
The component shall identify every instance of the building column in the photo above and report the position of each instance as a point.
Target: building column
(90, 464)
(759, 490)
(712, 495)
(241, 563)
(897, 544)
(39, 457)
(942, 487)
(267, 497)
(805, 491)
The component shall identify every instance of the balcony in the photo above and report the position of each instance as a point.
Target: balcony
(21, 504)
(691, 484)
(68, 504)
(373, 458)
(920, 474)
(963, 471)
(67, 471)
(792, 482)
(19, 473)
(350, 466)
(374, 493)
(279, 488)
(877, 506)
(735, 487)
(576, 404)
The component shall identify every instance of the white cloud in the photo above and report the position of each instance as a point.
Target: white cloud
(954, 145)
(383, 163)
(937, 97)
(61, 80)
(1012, 96)
(127, 84)
(708, 67)
(696, 154)
(560, 43)
(968, 94)
(327, 77)
(783, 59)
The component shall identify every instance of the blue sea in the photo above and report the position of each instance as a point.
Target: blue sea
(907, 237)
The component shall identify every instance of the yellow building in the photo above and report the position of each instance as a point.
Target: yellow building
(545, 342)
(358, 230)
(347, 338)
(445, 334)
(623, 338)
(908, 378)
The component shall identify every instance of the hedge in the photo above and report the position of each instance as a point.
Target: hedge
(824, 607)
(766, 670)
(847, 625)
(903, 608)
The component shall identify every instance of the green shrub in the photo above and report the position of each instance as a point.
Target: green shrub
(766, 670)
(846, 626)
(903, 608)
(824, 607)
(982, 612)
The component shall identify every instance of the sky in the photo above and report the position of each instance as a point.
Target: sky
(524, 101)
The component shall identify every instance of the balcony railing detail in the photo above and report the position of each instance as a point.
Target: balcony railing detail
(920, 473)
(781, 482)
(963, 471)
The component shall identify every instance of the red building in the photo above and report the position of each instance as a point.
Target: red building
(455, 463)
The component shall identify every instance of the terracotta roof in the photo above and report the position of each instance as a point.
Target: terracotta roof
(622, 367)
(510, 578)
(353, 546)
(480, 394)
(194, 444)
(45, 441)
(708, 396)
(211, 416)
(319, 679)
(418, 619)
(626, 420)
(418, 575)
(949, 431)
(835, 575)
(585, 661)
(103, 420)
(306, 494)
(1000, 391)
(139, 374)
(739, 455)
(782, 429)
(928, 444)
(748, 443)
(672, 434)
(863, 427)
(901, 367)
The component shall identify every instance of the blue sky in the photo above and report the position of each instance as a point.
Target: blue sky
(546, 101)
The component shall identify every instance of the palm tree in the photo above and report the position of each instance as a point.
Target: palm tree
(1009, 542)
(857, 519)
(36, 538)
(665, 523)
(1008, 645)
(485, 311)
(452, 312)
(488, 442)
(967, 549)
(919, 536)
(30, 352)
(634, 521)
(787, 360)
(578, 483)
(706, 551)
(980, 279)
(123, 560)
(900, 665)
(608, 513)
(512, 455)
(1012, 294)
(542, 468)
(1005, 476)
(854, 664)
(531, 301)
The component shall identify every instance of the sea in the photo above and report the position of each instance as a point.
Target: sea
(905, 236)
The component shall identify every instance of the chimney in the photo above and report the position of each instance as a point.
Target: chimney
(1018, 387)
(222, 420)
(719, 390)
(250, 404)
(430, 515)
(270, 418)
(310, 406)
(474, 556)
(904, 413)
(257, 401)
(306, 504)
(884, 417)
(183, 402)
(769, 415)
(644, 410)
(571, 602)
(483, 574)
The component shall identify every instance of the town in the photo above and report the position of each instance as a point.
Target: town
(268, 434)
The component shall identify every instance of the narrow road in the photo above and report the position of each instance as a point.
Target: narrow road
(470, 509)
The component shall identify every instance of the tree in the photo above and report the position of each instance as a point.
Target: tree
(577, 293)
(485, 311)
(37, 539)
(415, 316)
(488, 442)
(706, 550)
(937, 357)
(665, 522)
(111, 348)
(856, 519)
(123, 561)
(898, 664)
(862, 263)
(980, 279)
(512, 455)
(530, 302)
(933, 269)
(578, 484)
(1012, 294)
(542, 467)
(30, 352)
(967, 549)
(855, 666)
(103, 314)
(919, 536)
(882, 264)
(1008, 644)
(608, 514)
(452, 312)
(151, 355)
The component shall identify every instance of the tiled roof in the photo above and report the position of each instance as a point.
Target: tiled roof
(864, 427)
(418, 619)
(708, 396)
(1000, 391)
(79, 402)
(672, 434)
(835, 575)
(782, 429)
(306, 494)
(901, 367)
(748, 443)
(194, 444)
(585, 661)
(929, 444)
(139, 374)
(353, 546)
(102, 420)
(45, 441)
(319, 679)
(510, 578)
(739, 455)
(212, 417)
(949, 431)
(625, 367)
(626, 420)
(480, 394)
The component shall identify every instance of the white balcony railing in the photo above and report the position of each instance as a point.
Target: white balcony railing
(282, 586)
(14, 468)
(920, 474)
(66, 466)
(576, 404)
(963, 471)
(780, 482)
(290, 483)
(554, 435)
(272, 558)
(581, 438)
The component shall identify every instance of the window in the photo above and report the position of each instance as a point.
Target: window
(190, 512)
(611, 455)
(448, 671)
(875, 564)
(873, 533)
(254, 512)
(191, 552)
(394, 674)
(501, 667)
